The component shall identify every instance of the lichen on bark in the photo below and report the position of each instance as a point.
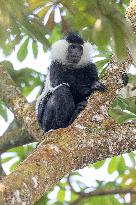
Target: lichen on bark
(92, 137)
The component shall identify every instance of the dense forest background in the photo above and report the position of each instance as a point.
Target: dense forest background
(27, 30)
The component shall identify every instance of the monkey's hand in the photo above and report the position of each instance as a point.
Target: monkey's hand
(125, 79)
(98, 86)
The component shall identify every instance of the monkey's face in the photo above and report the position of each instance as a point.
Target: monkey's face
(71, 53)
(74, 53)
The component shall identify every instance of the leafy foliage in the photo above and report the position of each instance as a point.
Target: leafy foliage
(101, 22)
(124, 107)
(75, 181)
(22, 53)
(26, 78)
(30, 23)
(20, 153)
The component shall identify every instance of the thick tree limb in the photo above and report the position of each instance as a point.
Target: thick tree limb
(23, 111)
(49, 163)
(131, 15)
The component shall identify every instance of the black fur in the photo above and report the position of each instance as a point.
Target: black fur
(74, 38)
(62, 106)
(125, 79)
(79, 79)
(58, 109)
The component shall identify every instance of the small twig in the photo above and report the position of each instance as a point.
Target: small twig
(83, 195)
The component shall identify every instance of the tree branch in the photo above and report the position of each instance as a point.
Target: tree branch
(92, 137)
(104, 192)
(23, 111)
(14, 136)
(49, 163)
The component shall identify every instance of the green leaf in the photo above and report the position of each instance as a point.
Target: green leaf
(98, 164)
(131, 42)
(119, 34)
(74, 196)
(131, 104)
(125, 104)
(104, 200)
(20, 152)
(43, 200)
(101, 66)
(121, 116)
(121, 165)
(3, 111)
(23, 51)
(132, 157)
(35, 49)
(13, 166)
(101, 31)
(61, 195)
(117, 164)
(120, 103)
(112, 165)
(132, 78)
(6, 159)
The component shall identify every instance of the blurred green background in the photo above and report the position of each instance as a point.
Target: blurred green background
(27, 30)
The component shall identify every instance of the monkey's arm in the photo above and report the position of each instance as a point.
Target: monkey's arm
(96, 85)
(57, 110)
(79, 107)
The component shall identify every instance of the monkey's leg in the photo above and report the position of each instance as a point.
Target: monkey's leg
(58, 109)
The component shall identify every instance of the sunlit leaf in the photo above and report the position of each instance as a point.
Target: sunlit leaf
(42, 201)
(74, 196)
(121, 116)
(13, 166)
(43, 11)
(36, 3)
(106, 200)
(3, 111)
(99, 164)
(112, 165)
(35, 49)
(121, 165)
(132, 157)
(118, 38)
(61, 195)
(101, 31)
(4, 160)
(23, 51)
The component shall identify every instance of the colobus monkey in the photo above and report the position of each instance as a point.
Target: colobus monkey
(72, 77)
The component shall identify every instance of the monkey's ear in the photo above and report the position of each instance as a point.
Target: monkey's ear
(73, 37)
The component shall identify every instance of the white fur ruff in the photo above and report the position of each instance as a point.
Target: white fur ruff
(59, 52)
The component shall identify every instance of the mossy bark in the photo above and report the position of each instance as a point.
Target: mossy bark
(92, 137)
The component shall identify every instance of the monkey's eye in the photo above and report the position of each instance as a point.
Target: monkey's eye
(72, 46)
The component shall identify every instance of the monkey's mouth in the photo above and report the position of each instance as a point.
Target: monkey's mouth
(73, 59)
